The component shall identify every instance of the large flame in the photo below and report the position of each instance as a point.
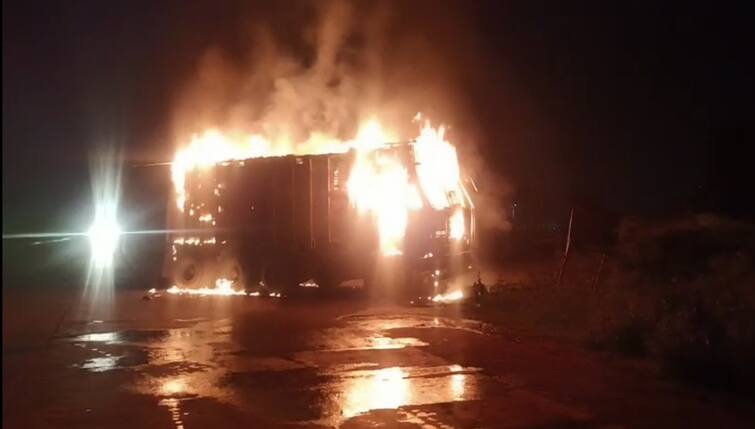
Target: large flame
(213, 147)
(204, 151)
(379, 184)
(456, 225)
(438, 168)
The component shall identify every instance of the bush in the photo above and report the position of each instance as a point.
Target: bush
(684, 292)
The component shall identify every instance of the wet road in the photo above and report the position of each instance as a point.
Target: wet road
(194, 362)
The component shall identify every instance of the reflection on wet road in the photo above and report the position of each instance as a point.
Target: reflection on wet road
(394, 387)
(188, 362)
(346, 368)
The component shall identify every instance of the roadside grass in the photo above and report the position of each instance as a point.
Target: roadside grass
(681, 293)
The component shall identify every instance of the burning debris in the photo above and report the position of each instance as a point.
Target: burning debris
(446, 298)
(223, 287)
(440, 298)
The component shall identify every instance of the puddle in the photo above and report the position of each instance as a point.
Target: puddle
(329, 396)
(122, 337)
(100, 364)
(350, 339)
(356, 392)
(368, 332)
(377, 372)
(104, 337)
(173, 365)
(384, 321)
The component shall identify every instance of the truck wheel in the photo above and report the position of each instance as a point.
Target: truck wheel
(190, 273)
(231, 269)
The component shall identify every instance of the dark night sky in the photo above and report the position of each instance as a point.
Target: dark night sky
(643, 109)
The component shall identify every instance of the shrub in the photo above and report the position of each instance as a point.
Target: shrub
(689, 291)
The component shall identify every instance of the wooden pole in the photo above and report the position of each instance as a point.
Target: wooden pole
(565, 258)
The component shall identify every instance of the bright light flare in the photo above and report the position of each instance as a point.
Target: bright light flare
(103, 236)
(104, 232)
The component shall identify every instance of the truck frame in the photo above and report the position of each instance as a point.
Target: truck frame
(287, 221)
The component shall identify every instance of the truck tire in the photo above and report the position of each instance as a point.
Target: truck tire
(230, 268)
(191, 273)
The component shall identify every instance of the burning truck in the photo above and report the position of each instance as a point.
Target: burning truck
(252, 214)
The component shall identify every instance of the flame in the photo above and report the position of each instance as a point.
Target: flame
(208, 149)
(449, 297)
(223, 287)
(379, 184)
(456, 225)
(438, 168)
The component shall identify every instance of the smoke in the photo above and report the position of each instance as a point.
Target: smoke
(275, 90)
(315, 71)
(348, 64)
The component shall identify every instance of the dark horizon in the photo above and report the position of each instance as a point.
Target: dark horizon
(641, 109)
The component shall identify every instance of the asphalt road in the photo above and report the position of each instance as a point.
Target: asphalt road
(196, 362)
